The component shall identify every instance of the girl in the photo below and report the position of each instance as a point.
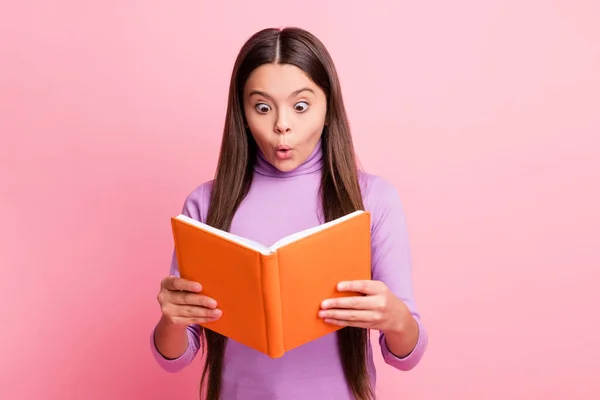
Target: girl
(287, 163)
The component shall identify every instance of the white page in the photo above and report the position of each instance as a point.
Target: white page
(227, 235)
(261, 247)
(307, 232)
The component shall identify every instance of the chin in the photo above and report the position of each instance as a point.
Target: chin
(285, 165)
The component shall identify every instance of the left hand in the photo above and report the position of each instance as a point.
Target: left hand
(379, 309)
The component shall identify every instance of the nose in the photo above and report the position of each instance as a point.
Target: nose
(282, 124)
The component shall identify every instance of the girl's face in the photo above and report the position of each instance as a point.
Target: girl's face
(285, 111)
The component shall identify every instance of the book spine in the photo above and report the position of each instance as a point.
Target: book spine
(271, 290)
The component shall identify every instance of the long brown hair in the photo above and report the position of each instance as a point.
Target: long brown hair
(340, 190)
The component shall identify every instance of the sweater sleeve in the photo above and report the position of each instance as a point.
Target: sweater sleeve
(391, 262)
(191, 208)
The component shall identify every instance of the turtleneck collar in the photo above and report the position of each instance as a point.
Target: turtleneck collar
(312, 164)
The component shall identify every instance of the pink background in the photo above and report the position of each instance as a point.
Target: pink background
(485, 115)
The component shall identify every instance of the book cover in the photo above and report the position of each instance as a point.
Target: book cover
(271, 295)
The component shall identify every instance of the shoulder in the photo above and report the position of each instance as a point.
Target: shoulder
(380, 197)
(378, 192)
(196, 202)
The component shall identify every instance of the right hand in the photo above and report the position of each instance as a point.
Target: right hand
(182, 304)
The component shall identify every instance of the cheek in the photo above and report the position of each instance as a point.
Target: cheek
(313, 125)
(260, 128)
(316, 119)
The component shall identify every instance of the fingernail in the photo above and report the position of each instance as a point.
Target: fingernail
(212, 303)
(217, 313)
(322, 314)
(325, 304)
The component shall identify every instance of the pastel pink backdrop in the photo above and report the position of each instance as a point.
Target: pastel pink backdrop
(485, 115)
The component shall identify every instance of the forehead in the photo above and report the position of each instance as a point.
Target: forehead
(278, 80)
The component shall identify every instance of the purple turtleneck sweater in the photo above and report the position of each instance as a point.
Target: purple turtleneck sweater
(279, 204)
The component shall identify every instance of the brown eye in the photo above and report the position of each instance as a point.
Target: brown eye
(301, 106)
(262, 108)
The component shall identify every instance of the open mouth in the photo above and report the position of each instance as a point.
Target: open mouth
(284, 152)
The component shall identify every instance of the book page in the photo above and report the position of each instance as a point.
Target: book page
(307, 232)
(227, 235)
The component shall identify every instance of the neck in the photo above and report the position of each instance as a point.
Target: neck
(311, 165)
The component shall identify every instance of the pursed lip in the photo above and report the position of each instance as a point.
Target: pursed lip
(284, 152)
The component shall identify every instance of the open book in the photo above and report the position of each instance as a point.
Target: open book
(271, 295)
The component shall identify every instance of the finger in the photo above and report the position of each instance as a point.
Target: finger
(176, 283)
(356, 324)
(197, 312)
(362, 286)
(360, 316)
(186, 321)
(189, 298)
(355, 302)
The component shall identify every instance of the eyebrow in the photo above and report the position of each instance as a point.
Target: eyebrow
(295, 93)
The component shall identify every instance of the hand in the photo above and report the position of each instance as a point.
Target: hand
(182, 305)
(377, 309)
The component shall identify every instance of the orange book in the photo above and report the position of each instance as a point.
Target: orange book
(270, 295)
